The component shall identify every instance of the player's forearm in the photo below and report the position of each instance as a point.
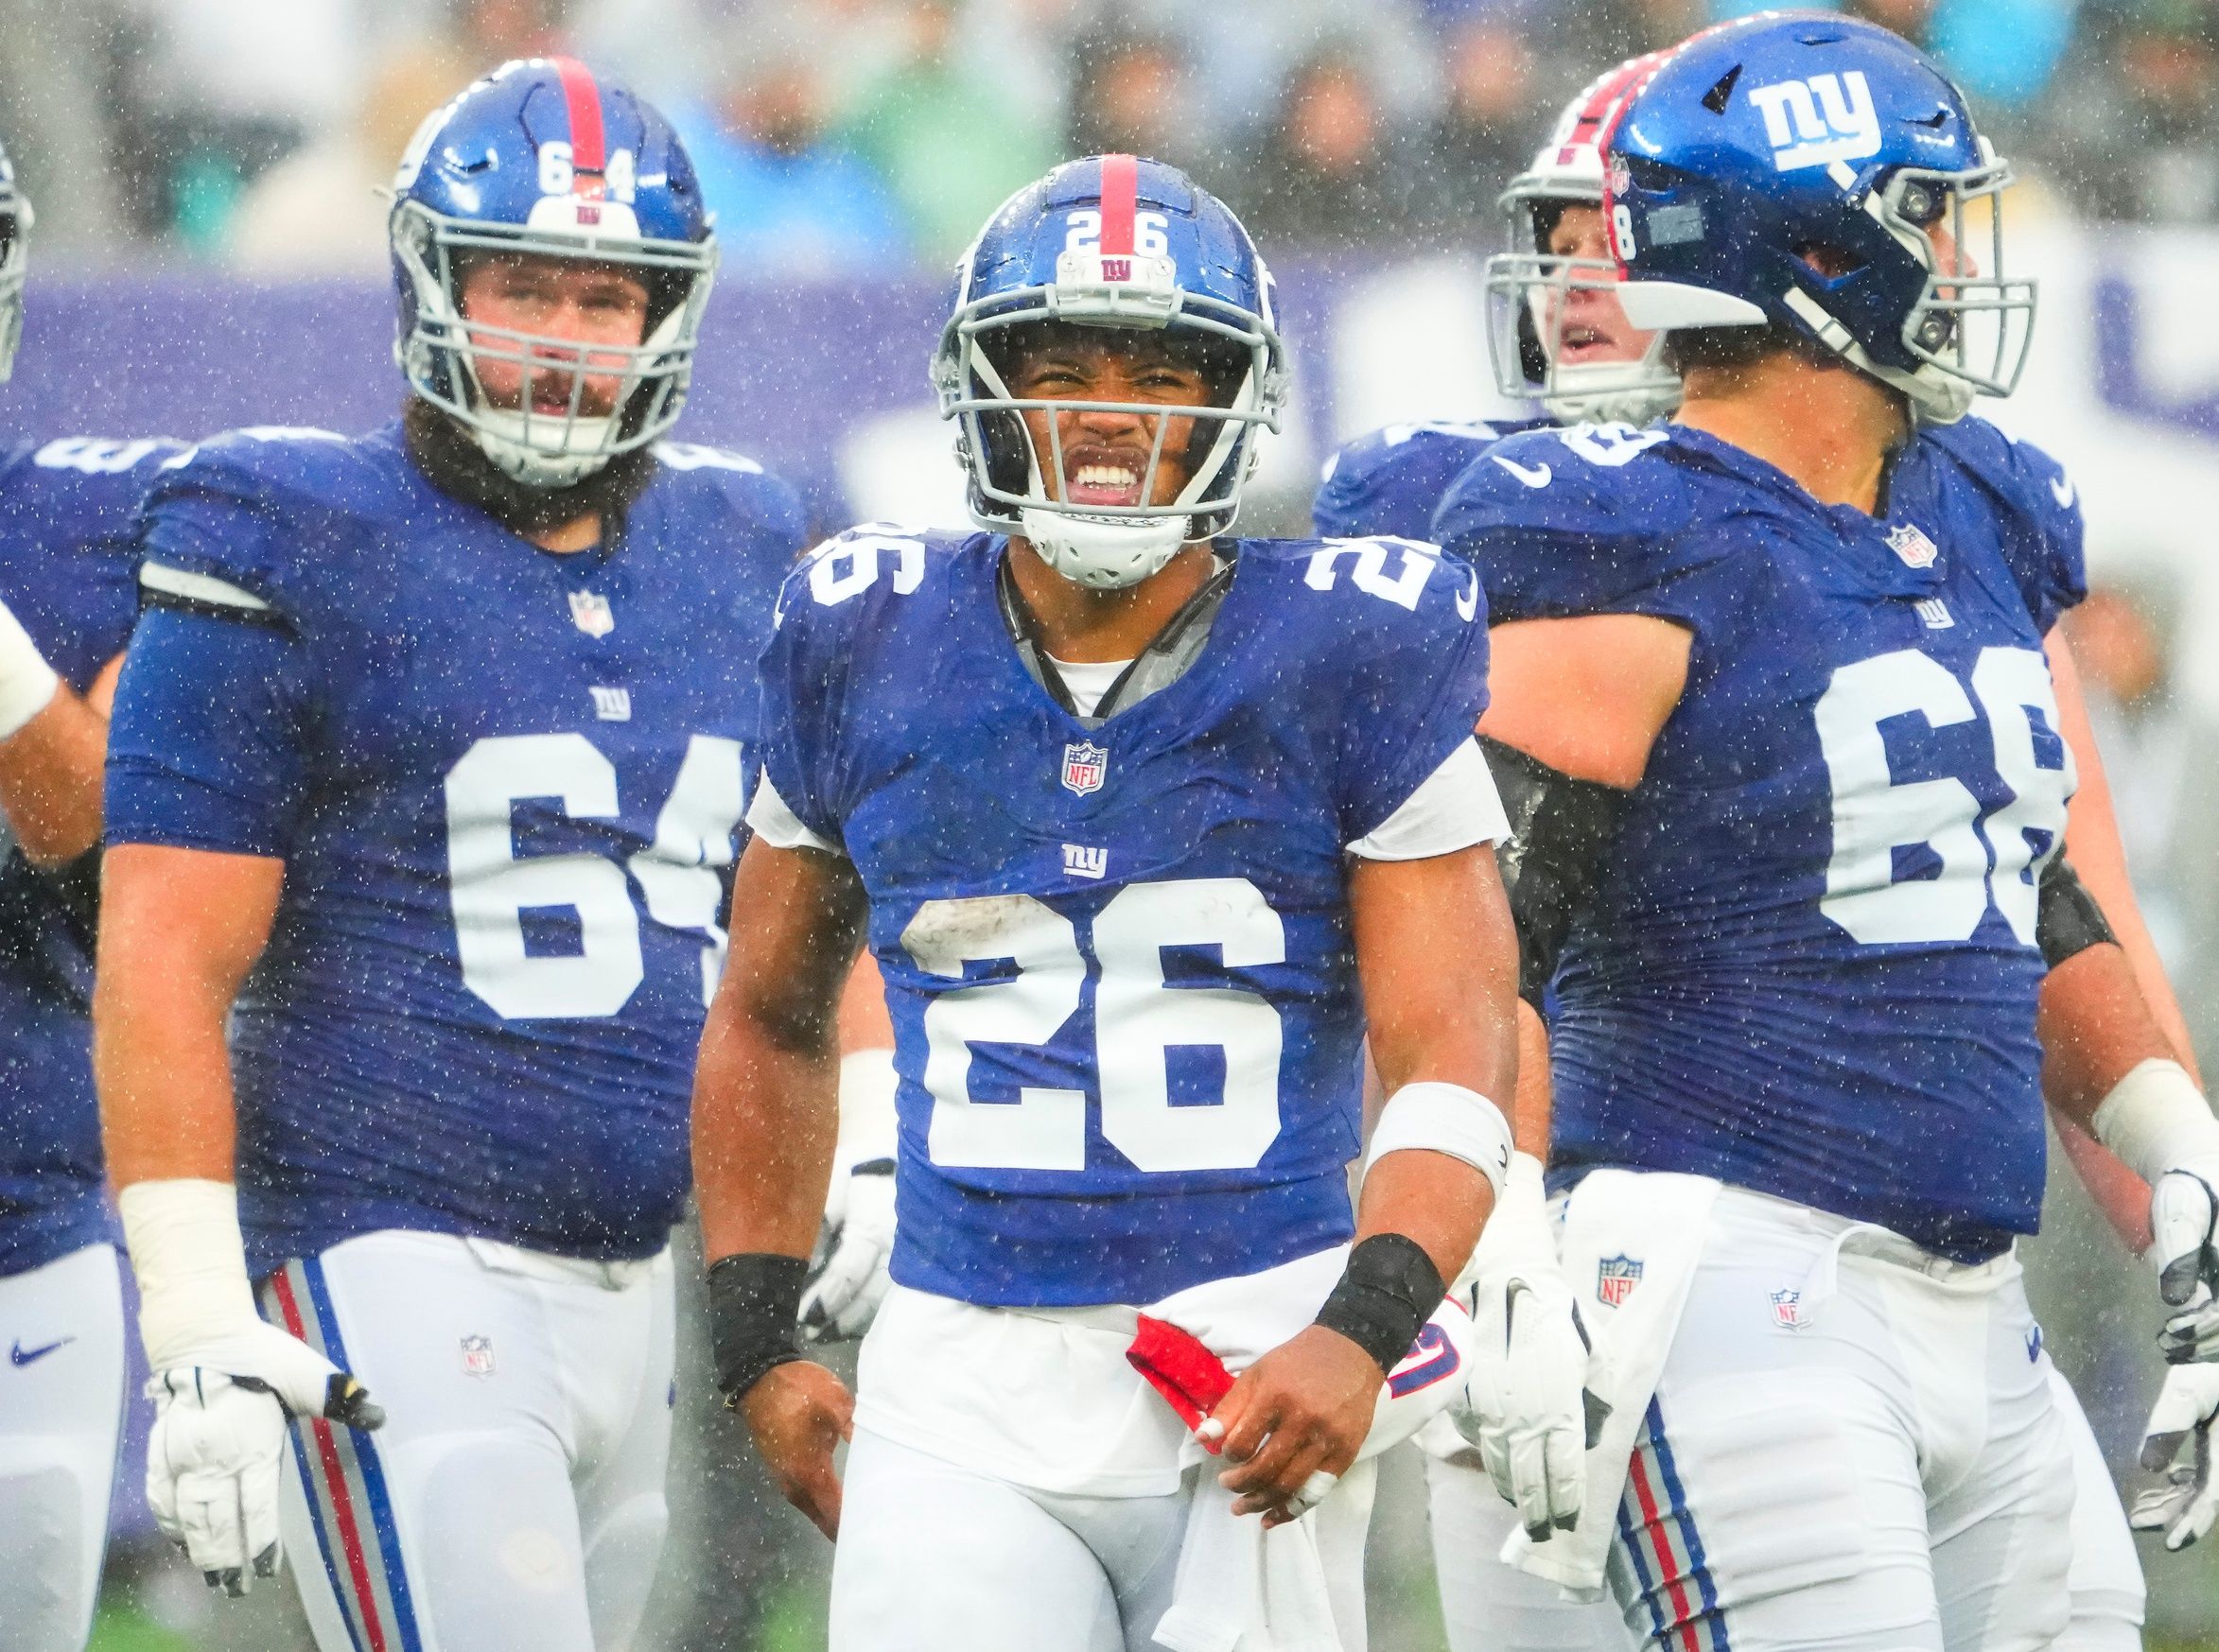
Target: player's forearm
(50, 780)
(178, 931)
(1439, 1202)
(163, 1068)
(1530, 1110)
(2094, 845)
(765, 1118)
(2123, 1196)
(2095, 1028)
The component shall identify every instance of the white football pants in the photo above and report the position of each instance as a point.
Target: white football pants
(1853, 1446)
(60, 1404)
(936, 1557)
(514, 1500)
(1491, 1608)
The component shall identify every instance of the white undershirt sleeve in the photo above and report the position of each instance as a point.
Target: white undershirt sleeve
(1455, 808)
(769, 819)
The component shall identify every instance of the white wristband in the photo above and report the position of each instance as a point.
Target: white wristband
(190, 1265)
(2155, 1119)
(27, 681)
(870, 1128)
(1444, 1118)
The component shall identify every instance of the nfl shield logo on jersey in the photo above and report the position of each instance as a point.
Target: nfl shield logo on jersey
(1909, 542)
(1788, 1309)
(591, 613)
(1615, 1279)
(1084, 764)
(478, 1355)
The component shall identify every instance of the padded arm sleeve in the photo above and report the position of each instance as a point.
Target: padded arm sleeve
(1560, 830)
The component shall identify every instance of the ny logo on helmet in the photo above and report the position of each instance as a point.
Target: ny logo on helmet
(1818, 121)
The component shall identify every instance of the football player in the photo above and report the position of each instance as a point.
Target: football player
(1790, 780)
(1561, 337)
(67, 599)
(426, 768)
(1145, 825)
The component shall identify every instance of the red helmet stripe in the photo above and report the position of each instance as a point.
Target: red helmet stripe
(1120, 192)
(582, 99)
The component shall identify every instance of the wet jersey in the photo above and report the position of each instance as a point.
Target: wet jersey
(67, 572)
(505, 784)
(1118, 960)
(1811, 968)
(1391, 480)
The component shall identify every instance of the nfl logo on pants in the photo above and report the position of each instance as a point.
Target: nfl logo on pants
(1084, 765)
(1615, 1279)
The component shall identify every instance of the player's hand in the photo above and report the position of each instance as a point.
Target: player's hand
(1293, 1423)
(2184, 1213)
(799, 1414)
(1527, 1407)
(1530, 1404)
(845, 1288)
(218, 1445)
(2183, 1506)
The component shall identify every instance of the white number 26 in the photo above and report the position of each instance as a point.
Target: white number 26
(1139, 1018)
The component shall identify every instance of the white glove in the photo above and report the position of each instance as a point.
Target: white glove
(223, 1383)
(847, 1276)
(1529, 1409)
(27, 683)
(2184, 1505)
(2158, 1123)
(846, 1286)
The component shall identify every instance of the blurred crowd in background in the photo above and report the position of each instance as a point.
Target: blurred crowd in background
(839, 136)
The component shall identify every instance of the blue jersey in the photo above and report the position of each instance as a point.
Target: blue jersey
(1811, 968)
(505, 785)
(1118, 960)
(1393, 481)
(67, 572)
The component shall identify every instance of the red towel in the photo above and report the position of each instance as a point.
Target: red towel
(1178, 1367)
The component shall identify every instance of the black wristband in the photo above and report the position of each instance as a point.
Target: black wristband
(1385, 1294)
(754, 1302)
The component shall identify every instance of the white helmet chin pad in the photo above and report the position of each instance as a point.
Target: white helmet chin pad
(1611, 393)
(1105, 553)
(506, 437)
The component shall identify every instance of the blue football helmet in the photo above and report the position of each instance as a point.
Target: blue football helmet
(1815, 171)
(543, 158)
(15, 225)
(1132, 245)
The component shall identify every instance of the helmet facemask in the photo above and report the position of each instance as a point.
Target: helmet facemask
(1973, 327)
(15, 222)
(441, 352)
(1109, 546)
(1967, 331)
(1531, 308)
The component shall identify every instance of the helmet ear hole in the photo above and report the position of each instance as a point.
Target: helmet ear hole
(1828, 263)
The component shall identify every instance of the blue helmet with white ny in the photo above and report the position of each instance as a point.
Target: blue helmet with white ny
(543, 158)
(1135, 246)
(1822, 174)
(15, 223)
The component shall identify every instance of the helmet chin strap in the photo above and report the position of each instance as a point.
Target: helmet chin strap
(1936, 397)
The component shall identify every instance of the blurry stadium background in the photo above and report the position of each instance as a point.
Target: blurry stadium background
(210, 251)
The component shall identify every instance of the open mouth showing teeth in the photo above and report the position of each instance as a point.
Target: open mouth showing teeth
(1094, 482)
